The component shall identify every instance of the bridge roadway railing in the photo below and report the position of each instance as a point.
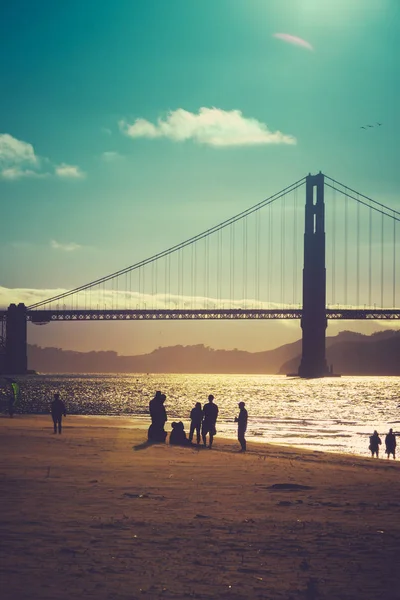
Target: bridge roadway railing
(48, 316)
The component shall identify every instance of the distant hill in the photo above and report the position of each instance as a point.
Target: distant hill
(357, 354)
(350, 353)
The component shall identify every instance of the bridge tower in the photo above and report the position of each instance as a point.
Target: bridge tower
(314, 322)
(16, 360)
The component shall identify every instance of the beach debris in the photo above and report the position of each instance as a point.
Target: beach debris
(200, 516)
(128, 495)
(294, 487)
(304, 565)
(94, 481)
(311, 589)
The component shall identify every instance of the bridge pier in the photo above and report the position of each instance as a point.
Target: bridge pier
(314, 322)
(16, 359)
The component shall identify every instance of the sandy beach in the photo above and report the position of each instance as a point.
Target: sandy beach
(85, 515)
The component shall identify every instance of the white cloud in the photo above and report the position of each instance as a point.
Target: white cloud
(13, 151)
(12, 173)
(19, 160)
(211, 126)
(69, 247)
(69, 171)
(110, 156)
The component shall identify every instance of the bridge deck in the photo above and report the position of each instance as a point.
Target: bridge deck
(47, 316)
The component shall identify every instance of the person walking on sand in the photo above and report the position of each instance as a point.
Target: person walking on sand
(241, 420)
(58, 410)
(374, 443)
(390, 443)
(196, 417)
(210, 414)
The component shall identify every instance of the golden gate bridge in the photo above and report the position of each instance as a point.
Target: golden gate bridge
(336, 257)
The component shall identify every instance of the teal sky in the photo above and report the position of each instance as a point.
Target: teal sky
(86, 199)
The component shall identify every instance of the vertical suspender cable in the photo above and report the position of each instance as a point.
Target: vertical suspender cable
(346, 202)
(270, 260)
(334, 247)
(156, 283)
(244, 283)
(207, 269)
(165, 281)
(382, 260)
(294, 246)
(152, 285)
(191, 274)
(394, 262)
(370, 259)
(195, 273)
(358, 256)
(233, 263)
(283, 226)
(258, 222)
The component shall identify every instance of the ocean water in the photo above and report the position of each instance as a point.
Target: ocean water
(333, 414)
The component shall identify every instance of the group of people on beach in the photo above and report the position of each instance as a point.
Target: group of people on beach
(202, 423)
(390, 444)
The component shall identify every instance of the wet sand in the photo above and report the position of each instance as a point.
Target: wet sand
(84, 515)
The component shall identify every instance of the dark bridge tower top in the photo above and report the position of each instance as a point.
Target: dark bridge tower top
(313, 323)
(16, 362)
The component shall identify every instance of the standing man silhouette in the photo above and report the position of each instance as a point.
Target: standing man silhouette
(57, 411)
(390, 443)
(210, 412)
(241, 420)
(196, 417)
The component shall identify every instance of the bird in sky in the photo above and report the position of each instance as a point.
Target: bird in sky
(371, 126)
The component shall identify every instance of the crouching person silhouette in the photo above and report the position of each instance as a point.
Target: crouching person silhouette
(178, 436)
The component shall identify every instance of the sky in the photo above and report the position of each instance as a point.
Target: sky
(127, 127)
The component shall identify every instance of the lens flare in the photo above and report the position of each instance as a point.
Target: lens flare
(292, 39)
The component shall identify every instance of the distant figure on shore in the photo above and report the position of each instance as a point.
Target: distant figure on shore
(210, 414)
(241, 420)
(13, 396)
(177, 436)
(374, 443)
(58, 410)
(196, 417)
(390, 443)
(158, 414)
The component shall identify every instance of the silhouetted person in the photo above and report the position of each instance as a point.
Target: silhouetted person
(196, 417)
(241, 420)
(178, 436)
(13, 396)
(390, 443)
(158, 415)
(374, 443)
(11, 406)
(58, 410)
(154, 406)
(210, 413)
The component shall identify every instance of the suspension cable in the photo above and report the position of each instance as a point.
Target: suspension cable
(179, 246)
(359, 194)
